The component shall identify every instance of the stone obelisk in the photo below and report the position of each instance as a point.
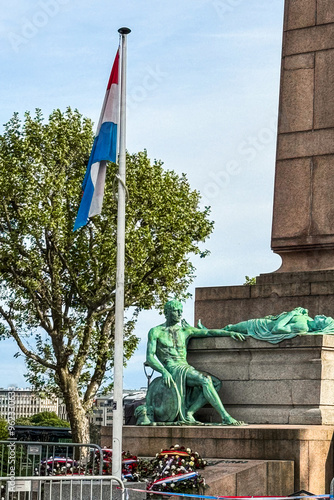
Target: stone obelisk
(303, 212)
(303, 216)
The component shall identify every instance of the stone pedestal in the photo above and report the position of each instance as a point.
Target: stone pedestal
(273, 293)
(310, 447)
(291, 382)
(249, 477)
(287, 383)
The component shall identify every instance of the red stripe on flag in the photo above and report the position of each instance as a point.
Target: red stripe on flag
(114, 72)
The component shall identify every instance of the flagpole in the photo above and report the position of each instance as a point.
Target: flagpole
(119, 306)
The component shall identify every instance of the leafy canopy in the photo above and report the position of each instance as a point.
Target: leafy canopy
(3, 429)
(60, 286)
(44, 418)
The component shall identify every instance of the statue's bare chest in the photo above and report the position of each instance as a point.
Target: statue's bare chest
(171, 337)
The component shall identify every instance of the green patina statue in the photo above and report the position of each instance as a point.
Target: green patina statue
(182, 390)
(284, 326)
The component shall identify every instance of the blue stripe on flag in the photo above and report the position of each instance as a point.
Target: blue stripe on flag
(104, 148)
(106, 143)
(86, 200)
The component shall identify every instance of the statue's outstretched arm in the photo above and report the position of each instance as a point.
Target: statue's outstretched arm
(206, 332)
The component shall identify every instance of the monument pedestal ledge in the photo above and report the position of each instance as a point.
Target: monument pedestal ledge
(287, 383)
(309, 447)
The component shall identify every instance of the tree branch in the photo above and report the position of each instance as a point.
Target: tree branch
(84, 347)
(19, 342)
(100, 368)
(75, 283)
(45, 322)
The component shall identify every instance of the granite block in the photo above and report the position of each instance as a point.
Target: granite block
(277, 366)
(317, 450)
(292, 182)
(325, 11)
(324, 96)
(282, 290)
(299, 61)
(323, 187)
(220, 479)
(326, 288)
(273, 392)
(327, 366)
(305, 252)
(310, 416)
(294, 277)
(306, 392)
(280, 477)
(305, 144)
(301, 13)
(296, 109)
(327, 393)
(252, 479)
(309, 40)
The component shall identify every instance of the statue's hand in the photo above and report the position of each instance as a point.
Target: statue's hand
(167, 378)
(237, 336)
(185, 324)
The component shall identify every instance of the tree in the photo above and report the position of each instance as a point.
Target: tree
(44, 418)
(3, 429)
(58, 286)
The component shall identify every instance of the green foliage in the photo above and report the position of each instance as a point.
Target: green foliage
(3, 429)
(59, 286)
(23, 421)
(250, 281)
(44, 418)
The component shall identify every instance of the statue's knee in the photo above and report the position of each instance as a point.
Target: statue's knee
(217, 383)
(207, 381)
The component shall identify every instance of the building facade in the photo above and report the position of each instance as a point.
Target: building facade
(28, 403)
(102, 413)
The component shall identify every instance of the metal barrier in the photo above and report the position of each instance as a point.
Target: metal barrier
(22, 458)
(62, 488)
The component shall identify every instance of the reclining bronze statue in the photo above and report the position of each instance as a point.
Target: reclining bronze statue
(284, 326)
(175, 397)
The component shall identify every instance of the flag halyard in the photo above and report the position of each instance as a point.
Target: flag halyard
(104, 149)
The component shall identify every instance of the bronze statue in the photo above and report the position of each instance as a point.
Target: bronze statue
(182, 390)
(284, 326)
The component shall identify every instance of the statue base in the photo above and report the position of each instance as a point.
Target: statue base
(290, 382)
(309, 447)
(287, 383)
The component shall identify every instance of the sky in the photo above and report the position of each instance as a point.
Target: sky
(202, 96)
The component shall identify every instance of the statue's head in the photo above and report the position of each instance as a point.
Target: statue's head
(173, 311)
(320, 322)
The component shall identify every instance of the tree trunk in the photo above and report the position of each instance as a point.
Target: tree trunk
(75, 410)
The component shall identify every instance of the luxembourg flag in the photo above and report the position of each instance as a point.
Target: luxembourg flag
(104, 149)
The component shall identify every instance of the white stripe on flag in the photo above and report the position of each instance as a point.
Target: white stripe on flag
(98, 176)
